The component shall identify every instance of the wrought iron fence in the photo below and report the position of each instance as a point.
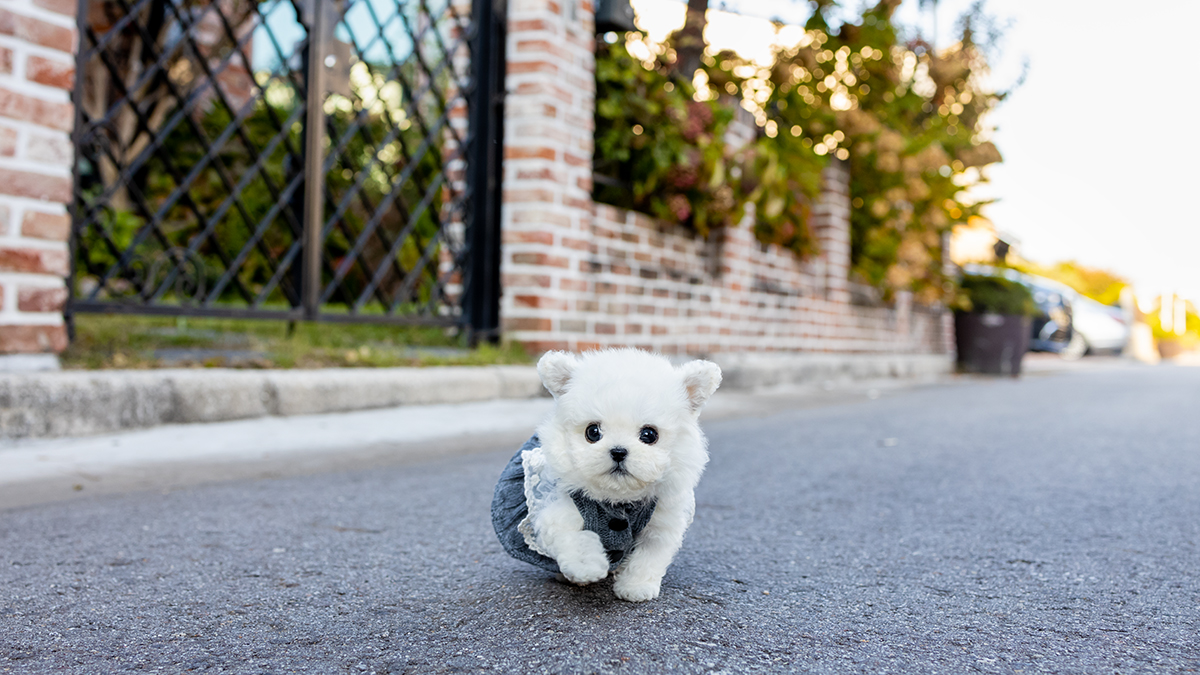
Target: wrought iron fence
(319, 159)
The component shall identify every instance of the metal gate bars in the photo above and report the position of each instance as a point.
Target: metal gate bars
(294, 159)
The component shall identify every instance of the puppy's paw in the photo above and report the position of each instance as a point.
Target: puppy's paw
(636, 590)
(583, 572)
(585, 562)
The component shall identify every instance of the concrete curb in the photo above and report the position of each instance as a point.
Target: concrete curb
(747, 371)
(80, 403)
(77, 403)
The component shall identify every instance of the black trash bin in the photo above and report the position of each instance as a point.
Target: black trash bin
(991, 343)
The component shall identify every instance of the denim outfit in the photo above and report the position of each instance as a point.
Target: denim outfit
(518, 493)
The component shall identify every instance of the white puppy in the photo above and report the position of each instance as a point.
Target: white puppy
(607, 482)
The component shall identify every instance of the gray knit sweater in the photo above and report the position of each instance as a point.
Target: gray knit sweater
(617, 524)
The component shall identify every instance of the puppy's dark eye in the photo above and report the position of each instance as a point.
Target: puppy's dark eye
(592, 433)
(648, 436)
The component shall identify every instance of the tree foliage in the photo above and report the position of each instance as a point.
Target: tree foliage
(908, 120)
(662, 151)
(1098, 284)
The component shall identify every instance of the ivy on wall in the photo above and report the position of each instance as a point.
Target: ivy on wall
(659, 150)
(908, 120)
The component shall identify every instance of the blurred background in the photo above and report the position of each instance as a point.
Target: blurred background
(168, 208)
(1097, 131)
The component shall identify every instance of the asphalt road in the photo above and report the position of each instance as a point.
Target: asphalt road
(1043, 525)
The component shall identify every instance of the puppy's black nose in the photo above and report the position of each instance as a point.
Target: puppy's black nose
(618, 454)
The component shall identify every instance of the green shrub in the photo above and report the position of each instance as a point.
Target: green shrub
(658, 150)
(909, 121)
(995, 295)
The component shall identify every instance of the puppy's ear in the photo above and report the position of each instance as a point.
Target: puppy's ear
(700, 379)
(555, 369)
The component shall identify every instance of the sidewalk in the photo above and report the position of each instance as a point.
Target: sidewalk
(36, 471)
(41, 470)
(77, 403)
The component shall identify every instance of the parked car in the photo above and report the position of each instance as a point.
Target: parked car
(1098, 328)
(1052, 324)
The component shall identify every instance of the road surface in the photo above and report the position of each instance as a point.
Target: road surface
(1049, 524)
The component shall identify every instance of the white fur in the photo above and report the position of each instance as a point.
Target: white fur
(622, 390)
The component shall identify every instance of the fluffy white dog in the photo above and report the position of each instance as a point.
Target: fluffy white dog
(606, 484)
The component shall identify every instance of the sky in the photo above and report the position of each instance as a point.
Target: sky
(358, 26)
(1100, 141)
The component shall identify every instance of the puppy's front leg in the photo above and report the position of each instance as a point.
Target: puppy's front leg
(578, 552)
(640, 577)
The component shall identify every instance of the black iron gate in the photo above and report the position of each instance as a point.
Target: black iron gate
(333, 160)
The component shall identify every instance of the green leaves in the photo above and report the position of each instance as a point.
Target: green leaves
(658, 150)
(908, 121)
(906, 118)
(995, 295)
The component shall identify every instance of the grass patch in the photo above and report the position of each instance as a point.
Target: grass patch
(124, 341)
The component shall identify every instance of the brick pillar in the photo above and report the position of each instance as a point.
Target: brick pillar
(831, 220)
(37, 74)
(547, 211)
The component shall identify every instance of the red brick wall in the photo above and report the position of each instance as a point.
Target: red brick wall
(579, 275)
(37, 73)
(547, 212)
(636, 281)
(575, 274)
